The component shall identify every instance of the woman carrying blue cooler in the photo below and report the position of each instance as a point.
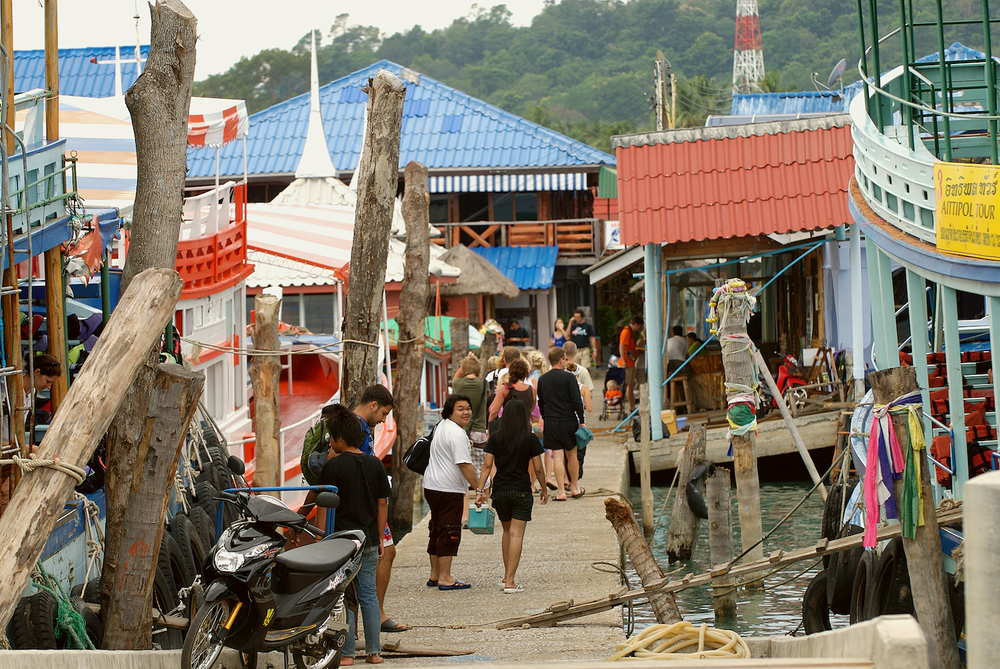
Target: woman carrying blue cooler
(512, 447)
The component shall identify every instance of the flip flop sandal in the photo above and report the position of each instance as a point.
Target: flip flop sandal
(391, 625)
(457, 585)
(432, 584)
(583, 491)
(551, 486)
(511, 591)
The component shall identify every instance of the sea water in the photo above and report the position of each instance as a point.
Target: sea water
(775, 611)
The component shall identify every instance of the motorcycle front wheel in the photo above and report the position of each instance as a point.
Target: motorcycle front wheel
(203, 642)
(325, 655)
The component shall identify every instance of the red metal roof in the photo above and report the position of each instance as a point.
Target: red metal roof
(735, 181)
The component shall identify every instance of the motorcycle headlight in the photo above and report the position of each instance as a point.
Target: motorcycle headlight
(228, 562)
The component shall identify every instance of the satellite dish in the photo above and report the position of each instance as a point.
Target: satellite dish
(838, 72)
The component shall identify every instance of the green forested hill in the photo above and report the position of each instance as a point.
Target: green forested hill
(583, 67)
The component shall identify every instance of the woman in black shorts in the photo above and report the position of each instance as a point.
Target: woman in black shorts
(512, 447)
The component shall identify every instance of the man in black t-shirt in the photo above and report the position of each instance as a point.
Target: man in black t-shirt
(584, 336)
(561, 406)
(364, 496)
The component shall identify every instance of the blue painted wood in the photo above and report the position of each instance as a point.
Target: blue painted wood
(653, 268)
(953, 363)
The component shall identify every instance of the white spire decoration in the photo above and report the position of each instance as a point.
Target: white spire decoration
(315, 160)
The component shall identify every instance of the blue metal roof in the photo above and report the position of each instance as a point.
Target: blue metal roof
(442, 128)
(88, 72)
(529, 267)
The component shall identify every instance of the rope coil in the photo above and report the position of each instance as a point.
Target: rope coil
(31, 463)
(681, 641)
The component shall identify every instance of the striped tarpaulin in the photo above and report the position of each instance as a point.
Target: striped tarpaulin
(500, 183)
(218, 128)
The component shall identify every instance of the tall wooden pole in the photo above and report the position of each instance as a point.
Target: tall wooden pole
(644, 466)
(377, 181)
(734, 310)
(924, 560)
(410, 350)
(54, 293)
(720, 541)
(134, 328)
(683, 523)
(459, 343)
(487, 350)
(265, 373)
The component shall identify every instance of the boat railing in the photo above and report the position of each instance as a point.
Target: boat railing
(212, 248)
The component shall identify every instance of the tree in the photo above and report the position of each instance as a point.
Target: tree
(158, 103)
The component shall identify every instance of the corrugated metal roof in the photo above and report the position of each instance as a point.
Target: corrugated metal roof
(487, 137)
(734, 181)
(88, 72)
(529, 267)
(272, 270)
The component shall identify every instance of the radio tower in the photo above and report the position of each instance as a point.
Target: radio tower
(748, 54)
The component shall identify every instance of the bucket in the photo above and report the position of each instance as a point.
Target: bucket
(481, 520)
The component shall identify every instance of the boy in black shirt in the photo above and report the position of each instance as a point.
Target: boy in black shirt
(364, 492)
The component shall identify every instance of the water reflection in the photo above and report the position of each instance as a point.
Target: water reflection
(775, 611)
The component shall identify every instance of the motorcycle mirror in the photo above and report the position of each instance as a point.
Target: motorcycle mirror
(236, 465)
(329, 500)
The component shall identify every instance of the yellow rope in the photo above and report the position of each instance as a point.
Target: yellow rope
(30, 464)
(682, 641)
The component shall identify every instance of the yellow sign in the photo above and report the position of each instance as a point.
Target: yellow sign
(968, 209)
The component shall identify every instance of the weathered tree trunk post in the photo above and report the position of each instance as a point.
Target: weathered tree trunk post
(459, 343)
(489, 348)
(720, 542)
(620, 514)
(410, 350)
(683, 523)
(928, 580)
(735, 307)
(764, 373)
(88, 408)
(265, 375)
(158, 102)
(377, 180)
(644, 466)
(128, 622)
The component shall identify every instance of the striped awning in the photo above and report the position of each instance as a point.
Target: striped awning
(502, 183)
(215, 122)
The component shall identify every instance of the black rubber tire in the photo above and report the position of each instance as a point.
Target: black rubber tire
(815, 612)
(172, 562)
(36, 623)
(195, 600)
(219, 454)
(17, 628)
(165, 601)
(206, 623)
(864, 575)
(831, 516)
(890, 591)
(189, 542)
(248, 660)
(840, 573)
(93, 593)
(95, 628)
(304, 661)
(205, 525)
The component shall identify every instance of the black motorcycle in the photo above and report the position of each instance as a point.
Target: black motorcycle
(261, 599)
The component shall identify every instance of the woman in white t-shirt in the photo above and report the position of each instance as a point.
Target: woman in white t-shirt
(448, 476)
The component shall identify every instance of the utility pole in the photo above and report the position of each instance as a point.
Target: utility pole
(666, 117)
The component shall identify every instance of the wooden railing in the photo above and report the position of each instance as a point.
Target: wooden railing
(575, 237)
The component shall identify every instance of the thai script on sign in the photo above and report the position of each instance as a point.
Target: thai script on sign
(967, 209)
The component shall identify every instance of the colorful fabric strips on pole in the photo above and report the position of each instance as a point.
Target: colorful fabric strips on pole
(886, 462)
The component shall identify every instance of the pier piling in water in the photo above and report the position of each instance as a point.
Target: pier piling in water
(683, 522)
(720, 542)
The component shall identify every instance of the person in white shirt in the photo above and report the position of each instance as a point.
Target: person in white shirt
(448, 476)
(677, 347)
(581, 372)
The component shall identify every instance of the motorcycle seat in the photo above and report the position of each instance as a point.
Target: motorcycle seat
(321, 557)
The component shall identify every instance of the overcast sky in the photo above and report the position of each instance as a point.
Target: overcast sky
(229, 29)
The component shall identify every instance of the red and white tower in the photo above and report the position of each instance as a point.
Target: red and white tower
(748, 54)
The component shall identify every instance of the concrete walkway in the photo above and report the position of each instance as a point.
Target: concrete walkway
(560, 544)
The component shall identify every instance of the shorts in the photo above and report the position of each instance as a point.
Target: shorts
(514, 504)
(630, 375)
(583, 357)
(560, 435)
(478, 458)
(387, 537)
(445, 527)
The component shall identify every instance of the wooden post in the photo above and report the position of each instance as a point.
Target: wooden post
(924, 560)
(720, 542)
(377, 181)
(764, 373)
(683, 523)
(487, 350)
(620, 514)
(644, 468)
(459, 343)
(128, 618)
(734, 311)
(265, 373)
(134, 328)
(410, 351)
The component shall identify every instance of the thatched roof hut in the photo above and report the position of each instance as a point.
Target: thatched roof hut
(479, 276)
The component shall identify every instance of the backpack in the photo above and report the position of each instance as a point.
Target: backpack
(418, 455)
(317, 441)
